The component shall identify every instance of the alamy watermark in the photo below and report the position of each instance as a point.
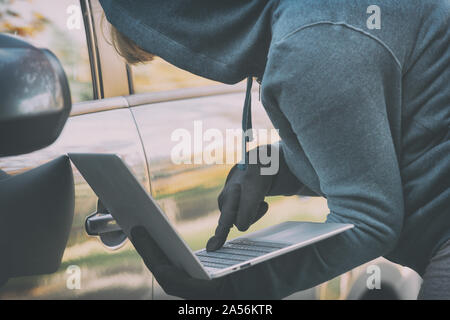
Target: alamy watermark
(214, 146)
(73, 281)
(374, 20)
(75, 17)
(374, 279)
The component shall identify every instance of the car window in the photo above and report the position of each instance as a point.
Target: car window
(58, 26)
(159, 75)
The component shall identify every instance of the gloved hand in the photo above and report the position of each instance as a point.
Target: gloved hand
(241, 201)
(174, 280)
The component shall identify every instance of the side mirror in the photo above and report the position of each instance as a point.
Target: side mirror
(37, 206)
(35, 97)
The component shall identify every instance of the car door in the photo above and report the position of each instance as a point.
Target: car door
(170, 105)
(101, 122)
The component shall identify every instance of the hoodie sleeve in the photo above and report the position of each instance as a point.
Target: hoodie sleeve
(335, 86)
(285, 182)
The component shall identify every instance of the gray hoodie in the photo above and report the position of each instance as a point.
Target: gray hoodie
(360, 95)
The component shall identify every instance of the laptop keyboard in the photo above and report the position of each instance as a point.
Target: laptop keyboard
(236, 251)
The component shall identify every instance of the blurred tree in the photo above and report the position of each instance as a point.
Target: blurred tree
(13, 22)
(43, 24)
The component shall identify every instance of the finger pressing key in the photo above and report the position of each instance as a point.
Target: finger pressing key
(228, 210)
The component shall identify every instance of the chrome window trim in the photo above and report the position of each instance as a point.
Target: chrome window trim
(144, 99)
(94, 106)
(109, 71)
(111, 67)
(92, 49)
(181, 94)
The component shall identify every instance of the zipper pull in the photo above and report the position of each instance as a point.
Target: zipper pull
(259, 80)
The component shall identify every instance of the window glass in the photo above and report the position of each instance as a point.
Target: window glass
(57, 26)
(159, 75)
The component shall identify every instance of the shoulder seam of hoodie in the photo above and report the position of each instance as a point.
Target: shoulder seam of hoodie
(343, 24)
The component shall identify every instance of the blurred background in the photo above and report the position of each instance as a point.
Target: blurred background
(142, 136)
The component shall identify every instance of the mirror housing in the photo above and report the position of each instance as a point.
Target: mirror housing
(35, 97)
(37, 206)
(36, 214)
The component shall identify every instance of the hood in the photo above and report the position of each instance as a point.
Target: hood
(225, 41)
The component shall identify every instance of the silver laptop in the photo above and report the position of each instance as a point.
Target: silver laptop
(130, 205)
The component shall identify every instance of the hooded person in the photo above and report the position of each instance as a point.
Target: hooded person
(360, 96)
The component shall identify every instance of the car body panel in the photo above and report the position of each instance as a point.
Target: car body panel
(118, 274)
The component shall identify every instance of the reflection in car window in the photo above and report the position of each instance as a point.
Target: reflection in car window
(159, 75)
(58, 26)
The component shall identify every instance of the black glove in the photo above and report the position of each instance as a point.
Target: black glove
(173, 280)
(241, 201)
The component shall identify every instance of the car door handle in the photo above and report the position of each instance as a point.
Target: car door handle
(101, 223)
